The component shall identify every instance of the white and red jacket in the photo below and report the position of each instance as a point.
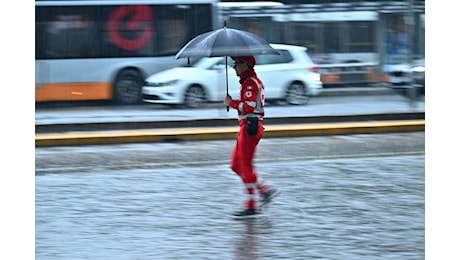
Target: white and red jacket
(252, 96)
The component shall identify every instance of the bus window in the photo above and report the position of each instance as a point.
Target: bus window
(307, 34)
(332, 42)
(103, 50)
(69, 36)
(361, 37)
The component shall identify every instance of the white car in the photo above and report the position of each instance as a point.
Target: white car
(404, 76)
(291, 76)
(398, 74)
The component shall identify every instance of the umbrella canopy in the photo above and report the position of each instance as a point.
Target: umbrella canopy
(225, 42)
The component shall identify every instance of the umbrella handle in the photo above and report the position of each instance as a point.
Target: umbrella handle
(226, 79)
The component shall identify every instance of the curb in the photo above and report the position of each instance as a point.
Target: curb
(215, 133)
(220, 122)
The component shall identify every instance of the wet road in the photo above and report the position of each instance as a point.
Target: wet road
(343, 197)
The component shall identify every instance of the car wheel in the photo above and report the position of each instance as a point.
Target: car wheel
(296, 94)
(195, 97)
(128, 87)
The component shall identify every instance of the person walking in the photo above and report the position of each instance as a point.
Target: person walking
(250, 107)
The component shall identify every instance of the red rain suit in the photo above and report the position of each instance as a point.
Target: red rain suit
(250, 104)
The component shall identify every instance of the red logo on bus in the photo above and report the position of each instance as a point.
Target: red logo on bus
(131, 18)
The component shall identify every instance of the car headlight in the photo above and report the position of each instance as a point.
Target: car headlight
(418, 69)
(161, 84)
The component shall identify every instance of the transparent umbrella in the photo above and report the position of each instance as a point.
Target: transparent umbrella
(225, 42)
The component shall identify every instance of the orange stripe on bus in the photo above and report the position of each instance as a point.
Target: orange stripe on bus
(73, 91)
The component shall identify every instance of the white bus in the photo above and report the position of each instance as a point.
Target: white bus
(103, 50)
(349, 41)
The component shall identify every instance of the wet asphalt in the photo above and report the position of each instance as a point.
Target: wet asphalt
(342, 197)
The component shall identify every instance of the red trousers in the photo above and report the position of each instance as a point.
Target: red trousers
(242, 158)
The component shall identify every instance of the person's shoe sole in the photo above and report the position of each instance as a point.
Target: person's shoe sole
(251, 216)
(254, 216)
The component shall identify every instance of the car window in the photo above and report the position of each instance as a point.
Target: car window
(207, 62)
(307, 57)
(284, 57)
(222, 61)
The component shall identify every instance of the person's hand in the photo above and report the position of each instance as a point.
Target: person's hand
(227, 100)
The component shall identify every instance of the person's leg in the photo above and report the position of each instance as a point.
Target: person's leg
(235, 163)
(247, 148)
(242, 164)
(263, 188)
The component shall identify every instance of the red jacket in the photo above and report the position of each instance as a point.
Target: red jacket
(252, 96)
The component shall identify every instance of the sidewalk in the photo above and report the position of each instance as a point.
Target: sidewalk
(213, 133)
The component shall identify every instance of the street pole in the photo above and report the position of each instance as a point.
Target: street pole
(412, 88)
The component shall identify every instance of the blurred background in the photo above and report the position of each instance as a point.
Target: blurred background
(101, 50)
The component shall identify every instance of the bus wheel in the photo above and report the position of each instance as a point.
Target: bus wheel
(195, 97)
(128, 87)
(296, 94)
